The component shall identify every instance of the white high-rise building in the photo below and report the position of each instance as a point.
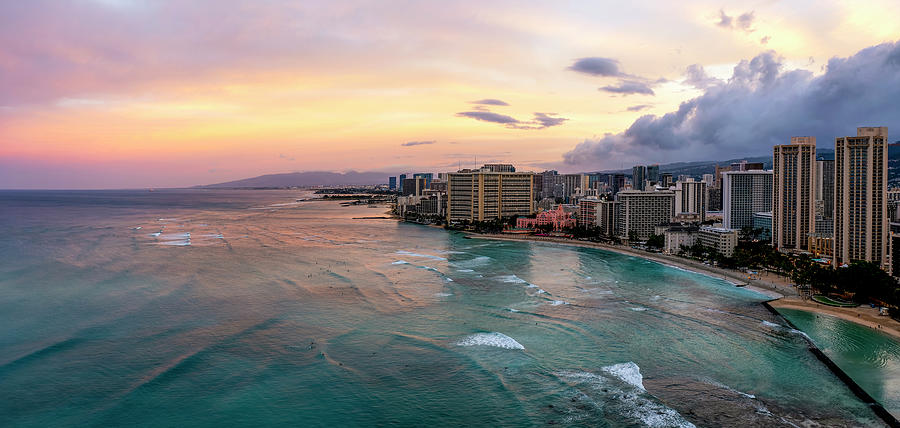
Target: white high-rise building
(860, 203)
(745, 193)
(690, 199)
(793, 193)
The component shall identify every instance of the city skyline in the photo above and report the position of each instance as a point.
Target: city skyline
(120, 93)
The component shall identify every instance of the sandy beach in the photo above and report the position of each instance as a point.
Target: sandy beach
(776, 286)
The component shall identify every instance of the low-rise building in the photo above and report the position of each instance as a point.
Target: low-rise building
(721, 239)
(558, 219)
(678, 236)
(587, 211)
(763, 221)
(821, 245)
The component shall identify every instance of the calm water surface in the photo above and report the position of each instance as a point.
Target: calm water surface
(246, 308)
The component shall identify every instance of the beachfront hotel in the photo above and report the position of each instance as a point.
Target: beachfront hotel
(489, 193)
(639, 212)
(743, 194)
(860, 203)
(793, 202)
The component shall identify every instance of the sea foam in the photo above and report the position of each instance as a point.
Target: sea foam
(497, 340)
(424, 256)
(628, 372)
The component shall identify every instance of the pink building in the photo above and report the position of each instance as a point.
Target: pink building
(557, 218)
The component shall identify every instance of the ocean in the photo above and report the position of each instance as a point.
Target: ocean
(251, 308)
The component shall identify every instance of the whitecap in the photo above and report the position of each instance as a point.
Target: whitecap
(400, 262)
(628, 372)
(448, 279)
(426, 256)
(465, 270)
(541, 291)
(770, 324)
(137, 228)
(443, 294)
(512, 279)
(638, 309)
(156, 234)
(559, 302)
(477, 261)
(512, 310)
(497, 340)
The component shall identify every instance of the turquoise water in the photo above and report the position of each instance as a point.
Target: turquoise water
(871, 358)
(245, 308)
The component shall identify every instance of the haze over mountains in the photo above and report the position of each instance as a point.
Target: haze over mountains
(349, 178)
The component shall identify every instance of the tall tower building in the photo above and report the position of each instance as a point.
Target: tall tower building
(743, 194)
(860, 203)
(825, 197)
(793, 191)
(690, 199)
(638, 177)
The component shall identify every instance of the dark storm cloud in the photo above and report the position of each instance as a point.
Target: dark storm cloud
(629, 87)
(417, 143)
(759, 106)
(597, 66)
(490, 102)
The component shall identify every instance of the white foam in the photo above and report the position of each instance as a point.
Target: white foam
(443, 294)
(655, 298)
(628, 372)
(770, 324)
(497, 340)
(512, 279)
(156, 234)
(512, 310)
(636, 406)
(559, 302)
(448, 279)
(477, 261)
(541, 291)
(465, 270)
(425, 256)
(137, 228)
(400, 262)
(638, 309)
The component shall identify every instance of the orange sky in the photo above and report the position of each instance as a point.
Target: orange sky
(130, 93)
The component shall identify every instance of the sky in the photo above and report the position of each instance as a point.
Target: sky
(141, 93)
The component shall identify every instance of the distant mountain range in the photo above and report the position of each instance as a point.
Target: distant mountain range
(306, 179)
(350, 178)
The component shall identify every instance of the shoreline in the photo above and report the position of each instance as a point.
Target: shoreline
(774, 290)
(774, 286)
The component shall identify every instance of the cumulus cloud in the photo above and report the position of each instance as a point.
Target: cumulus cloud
(759, 106)
(743, 22)
(629, 87)
(639, 107)
(597, 66)
(417, 143)
(489, 102)
(539, 121)
(696, 76)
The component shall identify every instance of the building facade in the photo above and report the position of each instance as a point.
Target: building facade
(860, 204)
(793, 193)
(745, 193)
(721, 239)
(690, 199)
(587, 211)
(477, 195)
(608, 217)
(638, 177)
(641, 211)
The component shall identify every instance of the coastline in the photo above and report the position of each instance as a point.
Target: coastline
(862, 315)
(774, 289)
(775, 286)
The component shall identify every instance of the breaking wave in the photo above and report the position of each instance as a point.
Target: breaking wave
(494, 339)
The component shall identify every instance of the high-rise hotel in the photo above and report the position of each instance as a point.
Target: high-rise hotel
(793, 202)
(860, 188)
(489, 193)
